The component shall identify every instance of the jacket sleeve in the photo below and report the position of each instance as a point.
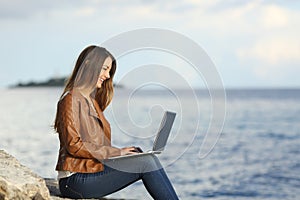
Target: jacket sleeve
(71, 138)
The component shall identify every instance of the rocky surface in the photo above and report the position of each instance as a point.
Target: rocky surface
(18, 181)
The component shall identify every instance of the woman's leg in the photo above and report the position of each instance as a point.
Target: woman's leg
(118, 174)
(95, 185)
(151, 172)
(158, 185)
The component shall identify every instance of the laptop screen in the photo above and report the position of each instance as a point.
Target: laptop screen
(164, 131)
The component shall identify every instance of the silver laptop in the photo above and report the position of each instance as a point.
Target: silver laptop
(161, 136)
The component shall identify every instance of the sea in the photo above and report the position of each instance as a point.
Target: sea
(243, 146)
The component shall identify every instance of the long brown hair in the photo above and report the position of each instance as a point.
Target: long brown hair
(86, 72)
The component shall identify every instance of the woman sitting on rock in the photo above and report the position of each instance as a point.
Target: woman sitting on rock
(85, 137)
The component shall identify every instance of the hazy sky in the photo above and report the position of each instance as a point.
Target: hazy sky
(253, 43)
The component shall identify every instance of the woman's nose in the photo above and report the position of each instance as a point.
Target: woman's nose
(107, 75)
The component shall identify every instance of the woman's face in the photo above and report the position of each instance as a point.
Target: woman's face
(104, 73)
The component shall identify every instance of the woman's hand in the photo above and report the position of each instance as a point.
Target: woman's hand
(128, 150)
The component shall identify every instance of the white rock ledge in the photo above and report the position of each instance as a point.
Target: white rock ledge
(19, 182)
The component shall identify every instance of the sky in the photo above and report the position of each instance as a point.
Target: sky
(253, 43)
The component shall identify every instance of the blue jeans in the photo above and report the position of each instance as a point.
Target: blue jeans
(118, 174)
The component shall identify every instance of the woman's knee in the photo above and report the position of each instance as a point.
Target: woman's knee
(150, 163)
(136, 164)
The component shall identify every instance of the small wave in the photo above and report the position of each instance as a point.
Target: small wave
(235, 193)
(192, 182)
(279, 136)
(277, 178)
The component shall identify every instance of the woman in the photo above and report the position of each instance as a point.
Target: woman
(85, 137)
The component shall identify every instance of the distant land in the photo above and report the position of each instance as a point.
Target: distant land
(52, 82)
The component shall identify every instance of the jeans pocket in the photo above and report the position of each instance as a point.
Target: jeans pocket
(67, 190)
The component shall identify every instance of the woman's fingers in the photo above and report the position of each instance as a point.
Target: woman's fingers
(128, 150)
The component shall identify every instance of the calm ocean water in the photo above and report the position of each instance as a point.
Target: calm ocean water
(257, 156)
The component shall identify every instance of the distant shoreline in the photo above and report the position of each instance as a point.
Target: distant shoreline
(52, 82)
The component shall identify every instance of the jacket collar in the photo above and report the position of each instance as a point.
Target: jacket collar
(94, 109)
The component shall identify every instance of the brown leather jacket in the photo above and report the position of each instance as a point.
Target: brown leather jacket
(84, 134)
